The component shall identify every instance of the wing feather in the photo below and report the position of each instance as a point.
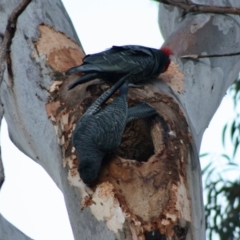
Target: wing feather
(124, 59)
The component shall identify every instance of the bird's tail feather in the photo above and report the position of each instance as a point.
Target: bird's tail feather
(84, 68)
(141, 110)
(123, 90)
(106, 95)
(83, 79)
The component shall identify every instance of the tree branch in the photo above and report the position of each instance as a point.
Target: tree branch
(5, 46)
(8, 36)
(195, 56)
(8, 231)
(192, 7)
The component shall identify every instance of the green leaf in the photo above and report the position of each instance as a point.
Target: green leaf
(229, 169)
(204, 170)
(232, 130)
(232, 164)
(203, 155)
(224, 134)
(235, 147)
(226, 156)
(209, 173)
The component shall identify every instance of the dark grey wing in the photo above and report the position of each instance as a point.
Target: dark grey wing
(139, 59)
(125, 59)
(103, 130)
(112, 121)
(98, 134)
(122, 60)
(84, 68)
(89, 156)
(141, 110)
(83, 79)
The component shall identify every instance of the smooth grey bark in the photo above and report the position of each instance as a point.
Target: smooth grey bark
(9, 232)
(2, 176)
(25, 92)
(203, 34)
(29, 126)
(206, 80)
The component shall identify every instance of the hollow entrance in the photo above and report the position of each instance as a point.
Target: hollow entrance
(136, 141)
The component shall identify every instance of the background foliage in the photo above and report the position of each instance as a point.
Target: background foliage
(222, 203)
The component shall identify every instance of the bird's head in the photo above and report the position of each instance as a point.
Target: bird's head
(89, 168)
(88, 172)
(168, 52)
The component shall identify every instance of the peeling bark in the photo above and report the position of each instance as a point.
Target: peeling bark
(151, 185)
(160, 199)
(206, 80)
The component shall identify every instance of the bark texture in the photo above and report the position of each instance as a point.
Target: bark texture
(151, 188)
(206, 80)
(2, 176)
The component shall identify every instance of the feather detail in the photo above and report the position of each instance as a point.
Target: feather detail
(141, 63)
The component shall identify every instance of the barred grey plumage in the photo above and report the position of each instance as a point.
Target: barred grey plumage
(99, 132)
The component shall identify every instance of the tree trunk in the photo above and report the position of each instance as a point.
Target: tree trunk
(9, 232)
(158, 193)
(2, 176)
(206, 80)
